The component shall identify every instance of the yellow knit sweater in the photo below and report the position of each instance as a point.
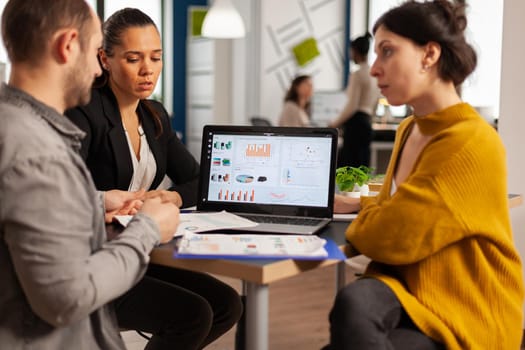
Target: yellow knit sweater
(442, 242)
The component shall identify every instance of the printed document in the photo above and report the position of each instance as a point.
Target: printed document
(252, 244)
(201, 222)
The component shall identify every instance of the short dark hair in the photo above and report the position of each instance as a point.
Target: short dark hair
(361, 44)
(27, 25)
(439, 21)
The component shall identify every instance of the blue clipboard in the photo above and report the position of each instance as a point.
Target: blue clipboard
(334, 253)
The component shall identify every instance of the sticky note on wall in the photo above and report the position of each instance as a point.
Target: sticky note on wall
(306, 51)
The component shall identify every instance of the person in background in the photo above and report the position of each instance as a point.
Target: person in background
(445, 272)
(356, 117)
(129, 144)
(59, 273)
(296, 109)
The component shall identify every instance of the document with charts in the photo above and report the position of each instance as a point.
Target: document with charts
(254, 245)
(201, 222)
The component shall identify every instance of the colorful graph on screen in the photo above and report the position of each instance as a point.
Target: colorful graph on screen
(258, 150)
(236, 195)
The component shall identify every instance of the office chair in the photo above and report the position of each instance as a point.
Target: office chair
(260, 121)
(358, 264)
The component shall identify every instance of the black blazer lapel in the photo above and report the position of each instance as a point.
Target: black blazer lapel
(117, 140)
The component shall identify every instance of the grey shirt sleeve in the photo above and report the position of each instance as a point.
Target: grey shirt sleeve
(54, 231)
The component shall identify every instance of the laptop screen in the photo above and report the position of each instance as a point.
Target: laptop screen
(289, 171)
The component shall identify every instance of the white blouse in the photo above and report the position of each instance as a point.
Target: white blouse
(144, 170)
(293, 115)
(393, 188)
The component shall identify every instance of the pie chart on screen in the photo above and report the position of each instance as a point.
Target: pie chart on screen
(244, 178)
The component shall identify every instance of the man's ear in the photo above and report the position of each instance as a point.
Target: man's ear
(431, 54)
(64, 44)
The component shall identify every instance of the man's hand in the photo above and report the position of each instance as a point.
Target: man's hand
(165, 214)
(119, 202)
(166, 196)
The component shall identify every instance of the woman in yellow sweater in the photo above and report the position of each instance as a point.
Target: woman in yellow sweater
(444, 271)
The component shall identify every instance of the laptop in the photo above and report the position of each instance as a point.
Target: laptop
(280, 177)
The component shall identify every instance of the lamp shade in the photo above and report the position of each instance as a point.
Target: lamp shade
(223, 21)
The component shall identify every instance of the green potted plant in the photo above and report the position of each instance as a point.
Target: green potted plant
(353, 181)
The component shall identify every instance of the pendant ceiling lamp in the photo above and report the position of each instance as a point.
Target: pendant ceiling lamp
(223, 21)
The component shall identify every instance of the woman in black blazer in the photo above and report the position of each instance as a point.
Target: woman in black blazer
(107, 154)
(129, 145)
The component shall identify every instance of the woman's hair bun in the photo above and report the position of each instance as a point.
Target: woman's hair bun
(455, 12)
(440, 21)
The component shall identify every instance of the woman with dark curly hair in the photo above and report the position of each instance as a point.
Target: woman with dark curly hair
(445, 272)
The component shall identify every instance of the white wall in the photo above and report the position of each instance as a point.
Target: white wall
(482, 88)
(285, 24)
(512, 116)
(358, 24)
(263, 62)
(246, 63)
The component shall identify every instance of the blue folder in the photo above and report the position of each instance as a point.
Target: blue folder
(334, 253)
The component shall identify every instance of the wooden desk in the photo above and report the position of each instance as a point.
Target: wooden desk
(256, 276)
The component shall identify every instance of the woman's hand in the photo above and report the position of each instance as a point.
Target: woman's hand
(119, 202)
(345, 205)
(166, 196)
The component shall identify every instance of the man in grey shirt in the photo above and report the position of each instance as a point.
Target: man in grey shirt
(58, 271)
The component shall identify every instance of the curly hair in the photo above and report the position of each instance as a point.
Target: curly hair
(439, 21)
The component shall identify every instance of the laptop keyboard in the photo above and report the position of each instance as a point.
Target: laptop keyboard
(261, 219)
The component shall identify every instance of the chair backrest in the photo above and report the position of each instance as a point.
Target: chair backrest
(260, 121)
